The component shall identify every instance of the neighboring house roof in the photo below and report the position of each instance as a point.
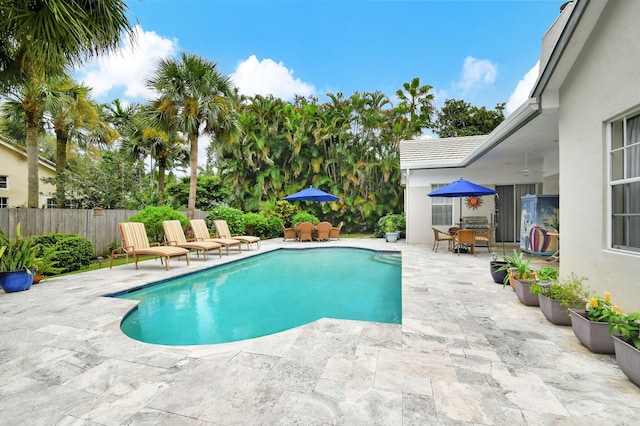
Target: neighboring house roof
(6, 142)
(437, 153)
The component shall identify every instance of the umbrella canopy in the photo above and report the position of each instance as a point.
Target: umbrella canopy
(462, 188)
(311, 194)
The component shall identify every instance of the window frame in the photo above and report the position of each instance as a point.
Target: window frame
(4, 202)
(5, 179)
(439, 202)
(621, 183)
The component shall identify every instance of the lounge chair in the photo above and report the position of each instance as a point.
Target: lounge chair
(174, 235)
(289, 233)
(323, 230)
(201, 233)
(136, 243)
(335, 231)
(441, 236)
(222, 229)
(305, 231)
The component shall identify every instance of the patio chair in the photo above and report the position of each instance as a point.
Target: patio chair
(323, 231)
(441, 236)
(174, 236)
(289, 233)
(201, 233)
(222, 229)
(335, 231)
(305, 231)
(136, 243)
(484, 237)
(466, 238)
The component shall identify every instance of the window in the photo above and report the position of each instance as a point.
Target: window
(4, 202)
(51, 203)
(4, 182)
(625, 182)
(441, 208)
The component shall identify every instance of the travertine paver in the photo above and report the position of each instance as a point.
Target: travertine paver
(468, 352)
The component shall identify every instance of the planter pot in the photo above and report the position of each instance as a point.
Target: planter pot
(592, 334)
(628, 358)
(15, 281)
(496, 274)
(523, 290)
(392, 237)
(512, 276)
(555, 312)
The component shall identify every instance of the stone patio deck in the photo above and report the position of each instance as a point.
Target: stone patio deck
(468, 352)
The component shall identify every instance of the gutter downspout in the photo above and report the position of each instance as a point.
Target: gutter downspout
(406, 211)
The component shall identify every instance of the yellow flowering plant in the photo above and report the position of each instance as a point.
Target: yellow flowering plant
(600, 308)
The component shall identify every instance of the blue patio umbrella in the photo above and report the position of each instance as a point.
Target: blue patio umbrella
(462, 188)
(311, 194)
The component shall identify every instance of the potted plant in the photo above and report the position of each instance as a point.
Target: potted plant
(625, 330)
(391, 233)
(591, 325)
(45, 264)
(523, 286)
(498, 269)
(517, 268)
(17, 257)
(556, 297)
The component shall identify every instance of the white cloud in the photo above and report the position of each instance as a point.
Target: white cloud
(128, 67)
(477, 72)
(523, 89)
(266, 77)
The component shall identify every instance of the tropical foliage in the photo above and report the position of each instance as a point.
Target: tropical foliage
(17, 254)
(460, 118)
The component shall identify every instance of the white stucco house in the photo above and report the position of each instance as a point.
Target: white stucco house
(578, 136)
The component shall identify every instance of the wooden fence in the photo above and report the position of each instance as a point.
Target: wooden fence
(98, 226)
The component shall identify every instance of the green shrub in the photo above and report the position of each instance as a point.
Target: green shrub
(152, 218)
(274, 227)
(68, 252)
(232, 215)
(304, 217)
(398, 221)
(255, 224)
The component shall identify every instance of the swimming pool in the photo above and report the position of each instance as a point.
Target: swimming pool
(266, 294)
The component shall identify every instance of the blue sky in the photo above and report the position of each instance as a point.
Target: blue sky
(484, 52)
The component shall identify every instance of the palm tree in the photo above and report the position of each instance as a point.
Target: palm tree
(200, 95)
(75, 118)
(152, 133)
(41, 39)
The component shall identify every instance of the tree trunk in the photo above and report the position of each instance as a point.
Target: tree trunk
(61, 164)
(162, 169)
(193, 183)
(33, 118)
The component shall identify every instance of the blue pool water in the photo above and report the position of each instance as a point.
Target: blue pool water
(266, 294)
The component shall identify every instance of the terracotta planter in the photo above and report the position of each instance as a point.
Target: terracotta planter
(555, 312)
(523, 290)
(592, 334)
(628, 358)
(512, 276)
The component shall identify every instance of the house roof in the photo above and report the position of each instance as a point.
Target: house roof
(437, 153)
(7, 143)
(533, 127)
